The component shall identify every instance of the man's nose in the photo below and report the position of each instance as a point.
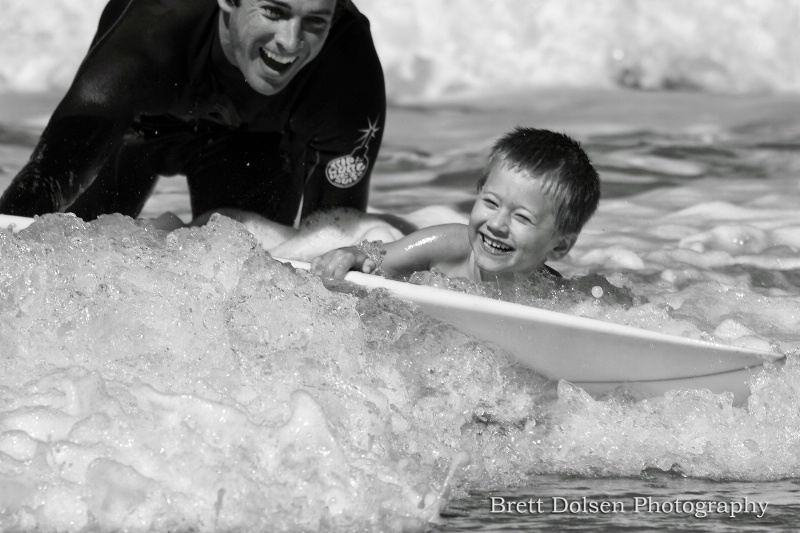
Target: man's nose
(289, 35)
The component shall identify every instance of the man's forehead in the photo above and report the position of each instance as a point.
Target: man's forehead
(306, 6)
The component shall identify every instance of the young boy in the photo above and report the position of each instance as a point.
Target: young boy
(538, 191)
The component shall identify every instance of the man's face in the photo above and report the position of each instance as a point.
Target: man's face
(271, 40)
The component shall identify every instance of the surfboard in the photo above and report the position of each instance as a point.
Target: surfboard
(595, 355)
(14, 222)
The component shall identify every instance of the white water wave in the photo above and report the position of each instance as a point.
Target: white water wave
(434, 48)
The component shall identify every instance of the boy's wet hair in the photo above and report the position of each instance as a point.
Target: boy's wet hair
(567, 174)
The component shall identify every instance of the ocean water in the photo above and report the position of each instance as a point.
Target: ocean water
(187, 382)
(433, 48)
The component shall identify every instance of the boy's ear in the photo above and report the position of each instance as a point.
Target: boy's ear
(226, 5)
(562, 246)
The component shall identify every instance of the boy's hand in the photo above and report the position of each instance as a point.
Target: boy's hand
(336, 263)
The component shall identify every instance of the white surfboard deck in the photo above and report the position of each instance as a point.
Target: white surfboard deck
(594, 355)
(16, 223)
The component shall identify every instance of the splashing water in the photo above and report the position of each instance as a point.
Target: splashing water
(188, 381)
(436, 48)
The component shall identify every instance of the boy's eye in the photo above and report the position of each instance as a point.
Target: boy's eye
(525, 219)
(490, 202)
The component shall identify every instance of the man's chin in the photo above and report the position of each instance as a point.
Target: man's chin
(266, 87)
(263, 83)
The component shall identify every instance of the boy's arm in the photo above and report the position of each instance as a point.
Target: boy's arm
(441, 245)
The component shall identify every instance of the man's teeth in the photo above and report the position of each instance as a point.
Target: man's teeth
(280, 59)
(495, 244)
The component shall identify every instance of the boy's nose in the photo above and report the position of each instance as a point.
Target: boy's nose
(498, 224)
(289, 35)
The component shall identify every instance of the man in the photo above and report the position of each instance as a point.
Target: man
(270, 106)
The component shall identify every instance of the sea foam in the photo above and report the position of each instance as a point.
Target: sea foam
(155, 381)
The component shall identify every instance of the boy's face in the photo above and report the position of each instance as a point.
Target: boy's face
(512, 227)
(270, 41)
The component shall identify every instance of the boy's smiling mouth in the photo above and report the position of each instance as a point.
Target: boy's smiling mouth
(495, 246)
(276, 62)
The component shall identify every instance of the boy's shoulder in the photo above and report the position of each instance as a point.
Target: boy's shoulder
(452, 228)
(450, 244)
(442, 242)
(552, 271)
(452, 233)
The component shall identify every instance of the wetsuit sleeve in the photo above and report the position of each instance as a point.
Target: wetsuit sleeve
(552, 271)
(343, 116)
(118, 78)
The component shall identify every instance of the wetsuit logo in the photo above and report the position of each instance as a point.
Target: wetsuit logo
(347, 170)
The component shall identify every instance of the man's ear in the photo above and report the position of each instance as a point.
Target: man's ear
(562, 246)
(226, 5)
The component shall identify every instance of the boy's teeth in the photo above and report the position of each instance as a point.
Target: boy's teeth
(496, 245)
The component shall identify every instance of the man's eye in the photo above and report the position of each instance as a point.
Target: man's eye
(315, 24)
(273, 13)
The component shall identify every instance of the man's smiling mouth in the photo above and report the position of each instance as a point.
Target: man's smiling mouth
(495, 246)
(276, 62)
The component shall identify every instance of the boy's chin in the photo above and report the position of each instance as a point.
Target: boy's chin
(507, 271)
(496, 270)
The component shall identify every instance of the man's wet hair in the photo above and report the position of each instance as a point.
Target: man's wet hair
(567, 174)
(337, 10)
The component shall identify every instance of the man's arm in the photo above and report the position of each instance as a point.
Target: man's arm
(343, 110)
(115, 80)
(47, 183)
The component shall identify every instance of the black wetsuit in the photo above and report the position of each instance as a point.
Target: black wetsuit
(155, 95)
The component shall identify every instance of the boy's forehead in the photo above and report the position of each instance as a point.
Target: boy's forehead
(528, 187)
(502, 169)
(502, 163)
